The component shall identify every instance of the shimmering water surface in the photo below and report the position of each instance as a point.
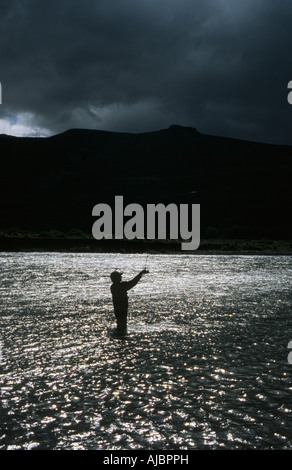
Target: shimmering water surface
(204, 367)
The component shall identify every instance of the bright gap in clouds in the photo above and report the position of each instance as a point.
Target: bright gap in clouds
(22, 125)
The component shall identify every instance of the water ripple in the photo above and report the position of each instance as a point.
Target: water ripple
(205, 364)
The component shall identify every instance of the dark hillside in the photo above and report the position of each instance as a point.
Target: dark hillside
(53, 183)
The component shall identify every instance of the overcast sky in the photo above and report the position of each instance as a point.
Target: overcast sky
(221, 66)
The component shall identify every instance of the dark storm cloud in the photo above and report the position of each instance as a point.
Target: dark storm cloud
(222, 66)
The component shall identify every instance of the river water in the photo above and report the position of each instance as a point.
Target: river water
(205, 364)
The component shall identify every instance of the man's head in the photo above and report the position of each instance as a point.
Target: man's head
(116, 276)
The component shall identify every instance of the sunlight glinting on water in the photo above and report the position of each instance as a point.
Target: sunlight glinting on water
(204, 364)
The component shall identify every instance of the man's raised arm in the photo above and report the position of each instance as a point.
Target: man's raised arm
(130, 284)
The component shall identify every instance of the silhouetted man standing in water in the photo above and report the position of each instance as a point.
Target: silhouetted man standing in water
(119, 291)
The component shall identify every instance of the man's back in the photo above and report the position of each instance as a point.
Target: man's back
(120, 288)
(120, 296)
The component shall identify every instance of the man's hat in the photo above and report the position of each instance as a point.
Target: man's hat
(116, 276)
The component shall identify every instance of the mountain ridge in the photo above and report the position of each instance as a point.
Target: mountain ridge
(178, 127)
(54, 182)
